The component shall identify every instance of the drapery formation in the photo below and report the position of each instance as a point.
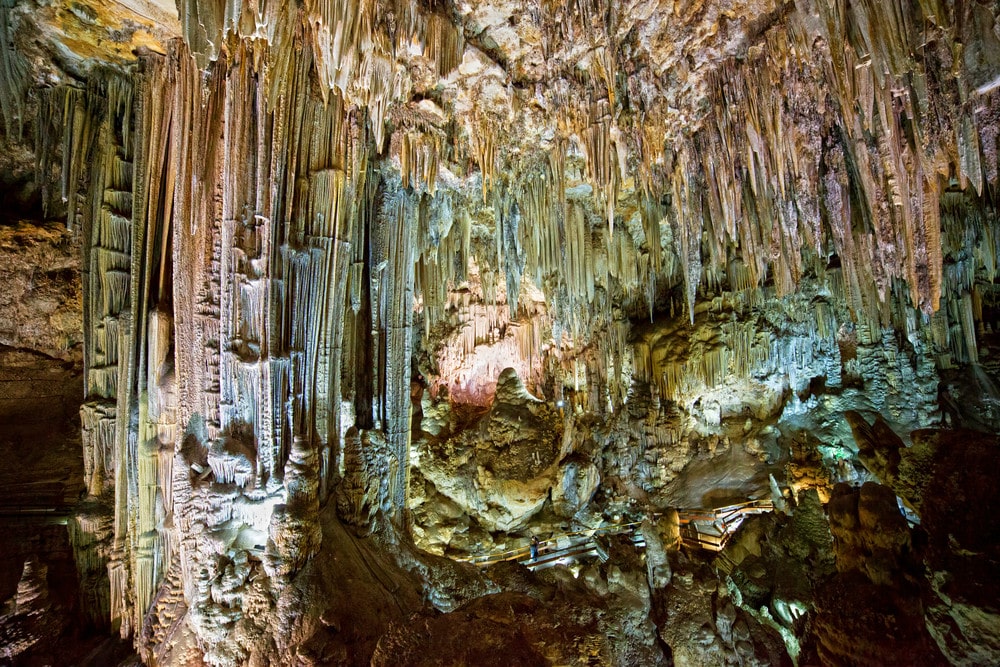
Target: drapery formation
(244, 260)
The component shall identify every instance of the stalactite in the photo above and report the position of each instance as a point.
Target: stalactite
(13, 75)
(688, 224)
(748, 349)
(97, 433)
(120, 612)
(420, 154)
(149, 569)
(508, 218)
(602, 159)
(484, 147)
(88, 536)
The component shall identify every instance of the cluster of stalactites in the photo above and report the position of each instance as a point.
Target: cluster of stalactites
(91, 128)
(264, 186)
(94, 129)
(971, 244)
(796, 177)
(357, 45)
(778, 183)
(825, 153)
(231, 233)
(810, 149)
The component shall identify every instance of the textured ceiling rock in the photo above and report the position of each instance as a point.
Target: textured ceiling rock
(106, 30)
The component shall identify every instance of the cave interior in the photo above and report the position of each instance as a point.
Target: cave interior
(496, 332)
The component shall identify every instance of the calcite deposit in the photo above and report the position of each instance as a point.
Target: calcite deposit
(356, 332)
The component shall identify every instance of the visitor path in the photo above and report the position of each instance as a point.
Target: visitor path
(35, 515)
(707, 529)
(711, 529)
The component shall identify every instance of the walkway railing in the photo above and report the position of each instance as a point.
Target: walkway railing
(707, 529)
(557, 545)
(711, 529)
(46, 515)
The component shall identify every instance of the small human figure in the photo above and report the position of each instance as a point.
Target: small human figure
(534, 548)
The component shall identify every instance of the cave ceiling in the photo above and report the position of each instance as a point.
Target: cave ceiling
(639, 101)
(736, 143)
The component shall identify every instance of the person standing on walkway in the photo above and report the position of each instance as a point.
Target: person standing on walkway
(534, 548)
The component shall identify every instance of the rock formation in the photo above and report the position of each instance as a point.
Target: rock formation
(311, 307)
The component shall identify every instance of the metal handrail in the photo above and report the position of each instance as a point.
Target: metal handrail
(35, 514)
(686, 517)
(517, 553)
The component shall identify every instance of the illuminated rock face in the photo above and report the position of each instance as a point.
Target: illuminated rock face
(576, 260)
(501, 469)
